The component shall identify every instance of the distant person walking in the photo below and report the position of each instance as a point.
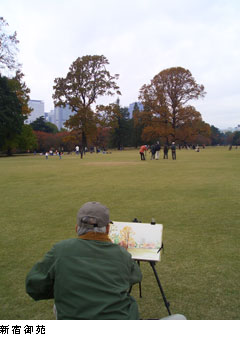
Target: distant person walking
(153, 150)
(142, 150)
(165, 151)
(77, 150)
(173, 148)
(46, 155)
(157, 150)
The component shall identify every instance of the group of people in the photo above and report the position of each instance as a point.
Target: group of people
(78, 151)
(155, 151)
(51, 153)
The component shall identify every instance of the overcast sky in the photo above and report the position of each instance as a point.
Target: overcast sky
(140, 38)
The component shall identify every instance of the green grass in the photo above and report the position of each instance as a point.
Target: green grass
(196, 198)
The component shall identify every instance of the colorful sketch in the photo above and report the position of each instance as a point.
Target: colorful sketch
(142, 241)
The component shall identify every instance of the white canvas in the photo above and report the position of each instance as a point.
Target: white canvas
(142, 241)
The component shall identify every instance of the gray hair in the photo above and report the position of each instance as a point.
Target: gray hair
(82, 229)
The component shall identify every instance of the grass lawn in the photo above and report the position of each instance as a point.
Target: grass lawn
(196, 198)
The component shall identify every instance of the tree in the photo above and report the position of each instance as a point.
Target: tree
(11, 115)
(22, 92)
(52, 128)
(217, 137)
(228, 138)
(45, 141)
(103, 137)
(14, 109)
(86, 80)
(193, 129)
(236, 138)
(121, 132)
(165, 102)
(41, 125)
(8, 47)
(137, 125)
(14, 94)
(26, 140)
(62, 141)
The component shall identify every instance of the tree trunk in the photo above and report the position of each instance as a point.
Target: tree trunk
(84, 140)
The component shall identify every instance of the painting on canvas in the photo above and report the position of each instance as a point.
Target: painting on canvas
(143, 241)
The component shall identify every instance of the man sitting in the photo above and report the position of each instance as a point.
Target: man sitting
(88, 277)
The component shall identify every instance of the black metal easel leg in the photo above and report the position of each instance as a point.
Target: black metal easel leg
(140, 290)
(139, 284)
(167, 304)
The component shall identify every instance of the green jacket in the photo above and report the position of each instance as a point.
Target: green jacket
(88, 279)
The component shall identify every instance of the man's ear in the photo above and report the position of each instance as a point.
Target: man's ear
(108, 228)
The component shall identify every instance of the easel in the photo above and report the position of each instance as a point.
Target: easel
(152, 264)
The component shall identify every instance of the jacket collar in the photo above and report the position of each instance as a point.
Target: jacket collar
(95, 236)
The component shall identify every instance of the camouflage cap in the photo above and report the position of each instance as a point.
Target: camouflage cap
(93, 213)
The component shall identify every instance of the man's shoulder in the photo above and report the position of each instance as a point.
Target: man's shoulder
(65, 242)
(73, 242)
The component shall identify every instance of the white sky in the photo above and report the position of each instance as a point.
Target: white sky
(140, 38)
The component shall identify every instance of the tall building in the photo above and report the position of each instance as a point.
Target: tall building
(58, 116)
(50, 116)
(37, 110)
(131, 108)
(61, 115)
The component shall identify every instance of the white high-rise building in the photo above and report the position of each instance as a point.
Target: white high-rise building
(50, 116)
(37, 110)
(131, 108)
(61, 115)
(58, 116)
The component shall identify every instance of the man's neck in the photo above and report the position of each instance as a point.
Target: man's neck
(95, 236)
